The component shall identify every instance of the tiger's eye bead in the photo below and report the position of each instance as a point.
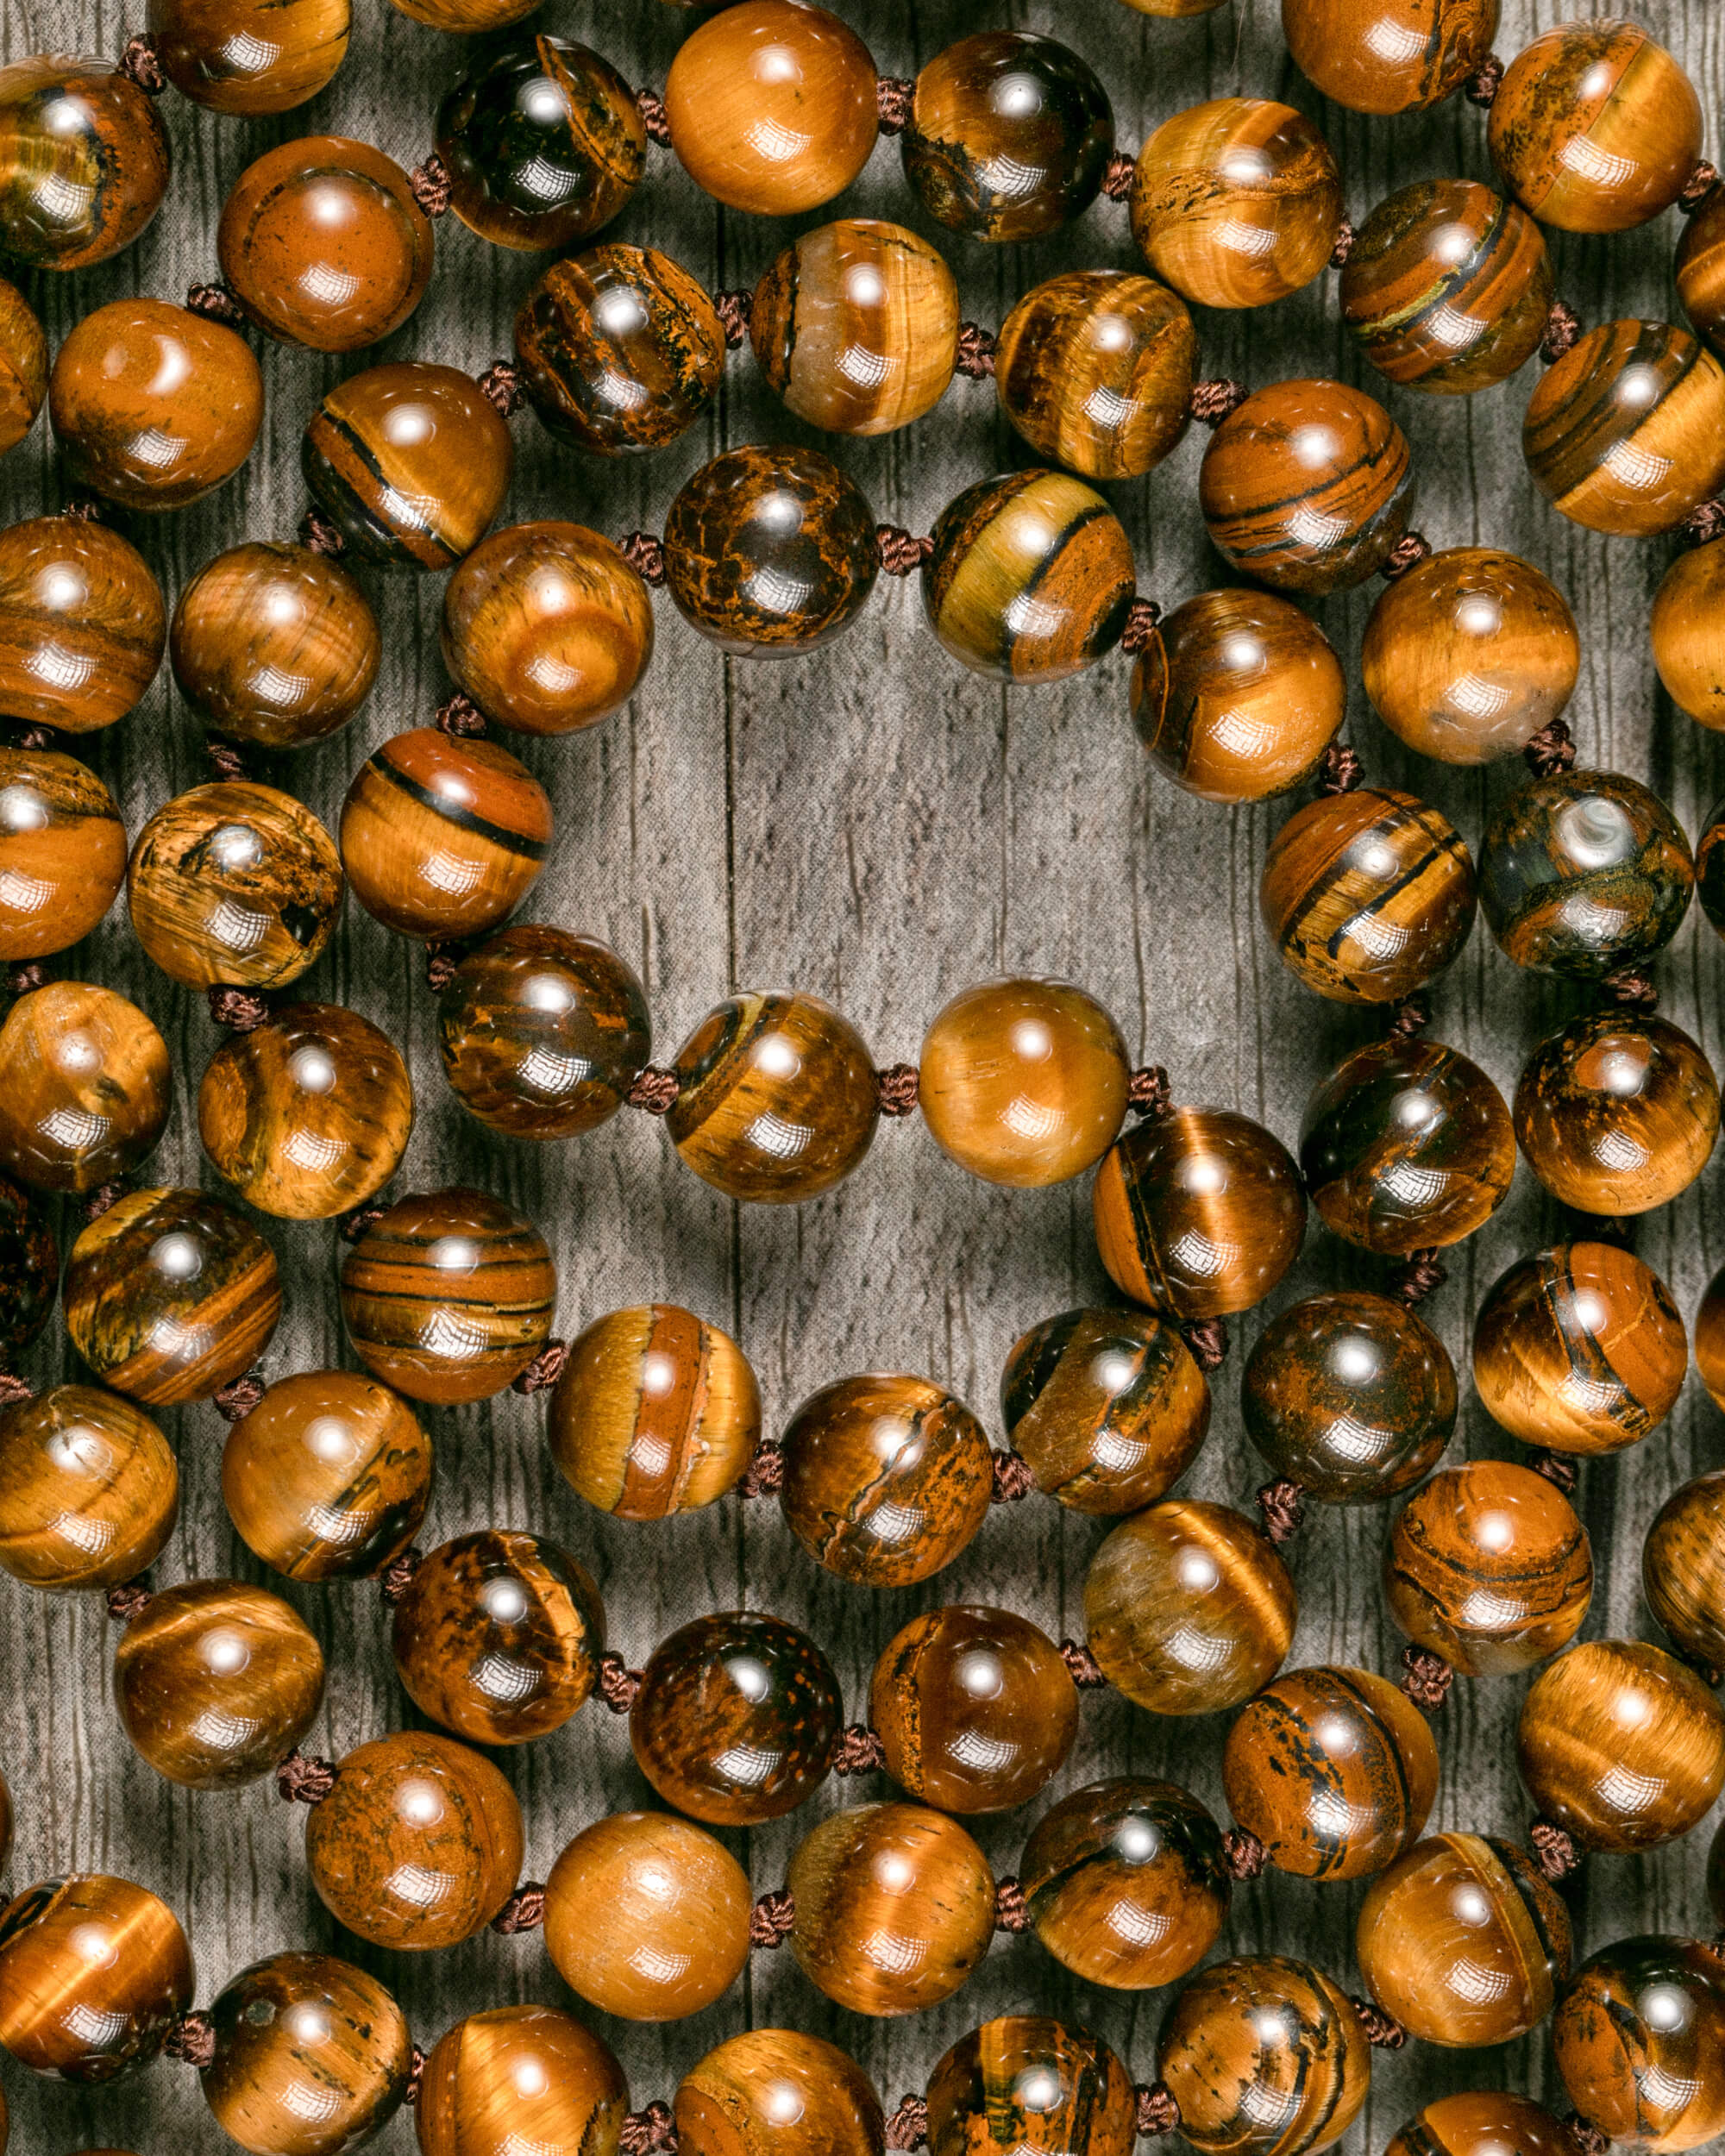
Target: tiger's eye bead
(1023, 1082)
(1687, 640)
(1031, 578)
(1488, 1568)
(619, 348)
(1265, 2057)
(547, 627)
(520, 2078)
(974, 1707)
(1579, 1348)
(543, 141)
(1469, 655)
(29, 1267)
(1188, 1608)
(1351, 1395)
(1639, 2037)
(88, 1490)
(1023, 2084)
(1463, 1941)
(93, 1972)
(1107, 1406)
(886, 1478)
(1198, 1211)
(448, 1297)
(1483, 2122)
(1236, 203)
(328, 1477)
(418, 1845)
(1626, 432)
(249, 58)
(323, 243)
(1333, 1770)
(410, 462)
(307, 1115)
(1594, 128)
(1126, 1883)
(83, 161)
(777, 1099)
(735, 1719)
(1009, 136)
(1308, 485)
(656, 1413)
(1700, 270)
(443, 837)
(1616, 1112)
(23, 366)
(1094, 368)
(214, 1682)
(498, 1637)
(1709, 1333)
(1682, 1567)
(85, 1087)
(82, 624)
(312, 2057)
(1236, 694)
(460, 16)
(775, 2092)
(233, 882)
(771, 105)
(894, 1908)
(543, 1032)
(647, 1917)
(1621, 1746)
(1389, 55)
(770, 551)
(274, 644)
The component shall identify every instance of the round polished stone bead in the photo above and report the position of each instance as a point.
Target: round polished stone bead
(82, 624)
(311, 2057)
(1638, 2036)
(1389, 55)
(84, 161)
(1265, 2057)
(85, 1087)
(1617, 1112)
(774, 2092)
(88, 1490)
(1682, 1569)
(23, 366)
(1094, 368)
(1689, 648)
(249, 58)
(1482, 2123)
(94, 1970)
(1023, 2082)
(520, 2078)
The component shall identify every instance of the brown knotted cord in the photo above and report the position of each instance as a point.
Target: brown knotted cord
(764, 1476)
(1411, 1019)
(240, 1010)
(318, 533)
(544, 1371)
(1382, 2029)
(858, 1749)
(894, 98)
(1556, 1469)
(1148, 1093)
(771, 1919)
(1244, 1854)
(303, 1780)
(14, 1390)
(128, 1600)
(359, 1224)
(1085, 1671)
(976, 354)
(397, 1576)
(1282, 1505)
(1010, 1912)
(654, 1090)
(1339, 770)
(226, 758)
(443, 963)
(216, 303)
(1419, 1274)
(645, 555)
(1211, 401)
(1409, 551)
(192, 2037)
(237, 1398)
(1697, 187)
(651, 107)
(616, 1684)
(1551, 752)
(907, 2128)
(1426, 1677)
(901, 553)
(1207, 1341)
(138, 63)
(1554, 1850)
(500, 385)
(1630, 988)
(1118, 175)
(1588, 2138)
(458, 714)
(1562, 327)
(646, 2133)
(86, 508)
(524, 1910)
(898, 1087)
(733, 308)
(1142, 618)
(1482, 87)
(1344, 245)
(1704, 524)
(1156, 2109)
(21, 980)
(429, 185)
(102, 1200)
(416, 2075)
(1012, 1477)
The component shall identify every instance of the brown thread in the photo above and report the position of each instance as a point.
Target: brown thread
(192, 2037)
(458, 714)
(908, 2126)
(226, 758)
(86, 508)
(975, 354)
(1010, 1913)
(1589, 2140)
(442, 962)
(544, 1371)
(416, 2075)
(1551, 751)
(1697, 187)
(1118, 175)
(1409, 551)
(1344, 245)
(1419, 1275)
(654, 1090)
(1426, 1677)
(651, 107)
(1339, 770)
(901, 553)
(1482, 86)
(316, 532)
(1013, 1477)
(524, 1910)
(13, 1390)
(1554, 1850)
(429, 185)
(1704, 524)
(1382, 2029)
(501, 383)
(359, 1224)
(1282, 1505)
(645, 555)
(300, 1780)
(138, 63)
(1147, 1091)
(899, 1087)
(858, 1750)
(128, 1600)
(644, 2133)
(1156, 2109)
(1556, 1469)
(1631, 989)
(20, 981)
(734, 309)
(764, 1476)
(1142, 618)
(240, 1010)
(102, 1200)
(771, 1919)
(237, 1398)
(894, 99)
(1083, 1667)
(1562, 327)
(1207, 1340)
(36, 737)
(397, 1576)
(216, 303)
(1211, 402)
(1411, 1019)
(1243, 1852)
(617, 1685)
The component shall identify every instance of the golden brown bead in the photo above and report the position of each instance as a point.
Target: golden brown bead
(23, 366)
(647, 1917)
(1389, 55)
(1022, 2085)
(520, 2077)
(82, 624)
(312, 2057)
(1483, 2122)
(462, 16)
(250, 58)
(1188, 1608)
(1265, 2057)
(1095, 369)
(1686, 635)
(774, 2092)
(62, 852)
(89, 1489)
(1617, 1112)
(1700, 269)
(1709, 1333)
(1639, 2041)
(1682, 1569)
(894, 1908)
(93, 1972)
(84, 161)
(85, 1087)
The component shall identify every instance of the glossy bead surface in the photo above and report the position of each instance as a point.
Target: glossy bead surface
(736, 1718)
(1489, 1568)
(442, 836)
(170, 1295)
(1389, 55)
(29, 1267)
(543, 141)
(894, 1908)
(1107, 1406)
(328, 1477)
(776, 2092)
(89, 1489)
(85, 1087)
(215, 1682)
(1236, 694)
(1188, 1608)
(1308, 485)
(1686, 638)
(1009, 136)
(23, 366)
(1023, 2084)
(498, 1637)
(547, 627)
(647, 1917)
(82, 624)
(274, 644)
(1265, 2057)
(886, 1478)
(777, 1099)
(1709, 1336)
(410, 462)
(1580, 1349)
(772, 106)
(312, 2057)
(460, 16)
(1463, 1941)
(770, 551)
(974, 1707)
(1482, 2123)
(84, 161)
(323, 244)
(93, 1972)
(656, 1412)
(418, 1845)
(448, 1297)
(1639, 2037)
(1199, 1211)
(1617, 1112)
(1351, 1395)
(1031, 577)
(1094, 368)
(856, 326)
(1699, 270)
(1469, 654)
(520, 2077)
(1682, 1567)
(249, 58)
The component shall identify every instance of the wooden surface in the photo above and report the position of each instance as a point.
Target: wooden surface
(875, 825)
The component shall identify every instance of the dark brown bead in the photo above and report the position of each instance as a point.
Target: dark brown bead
(1617, 1112)
(82, 624)
(1709, 1331)
(93, 1972)
(735, 1719)
(89, 1489)
(328, 1477)
(215, 1682)
(312, 2057)
(1199, 1211)
(249, 58)
(1022, 2085)
(520, 2077)
(1700, 271)
(29, 1268)
(1579, 1348)
(1188, 1608)
(85, 1087)
(1686, 642)
(1265, 2057)
(774, 2092)
(544, 1032)
(1709, 870)
(460, 16)
(448, 1297)
(1682, 1568)
(83, 161)
(1388, 56)
(1483, 2122)
(23, 366)
(1639, 2037)
(1094, 368)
